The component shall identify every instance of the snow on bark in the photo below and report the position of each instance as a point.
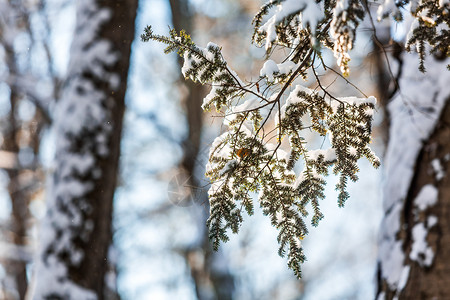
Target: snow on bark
(437, 168)
(421, 252)
(414, 113)
(428, 196)
(83, 124)
(9, 17)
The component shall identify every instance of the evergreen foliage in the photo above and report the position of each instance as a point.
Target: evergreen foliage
(264, 150)
(430, 30)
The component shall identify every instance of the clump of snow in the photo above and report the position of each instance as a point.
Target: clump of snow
(420, 251)
(443, 3)
(352, 151)
(208, 51)
(286, 67)
(438, 170)
(297, 242)
(212, 93)
(229, 166)
(269, 69)
(431, 221)
(279, 216)
(189, 62)
(427, 197)
(250, 104)
(327, 154)
(387, 7)
(342, 34)
(304, 176)
(310, 11)
(354, 101)
(294, 98)
(55, 282)
(403, 278)
(219, 148)
(381, 296)
(393, 267)
(312, 15)
(415, 24)
(280, 153)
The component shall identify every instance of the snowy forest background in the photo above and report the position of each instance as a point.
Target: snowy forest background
(59, 149)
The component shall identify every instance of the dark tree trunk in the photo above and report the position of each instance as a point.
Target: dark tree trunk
(16, 266)
(192, 100)
(76, 233)
(203, 274)
(119, 30)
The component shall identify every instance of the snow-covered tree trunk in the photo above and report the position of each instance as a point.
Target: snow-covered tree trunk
(414, 257)
(76, 233)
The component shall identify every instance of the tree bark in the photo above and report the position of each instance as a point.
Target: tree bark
(431, 282)
(192, 100)
(76, 233)
(14, 139)
(15, 266)
(414, 260)
(203, 273)
(428, 281)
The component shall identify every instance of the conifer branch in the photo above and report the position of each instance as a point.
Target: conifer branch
(244, 159)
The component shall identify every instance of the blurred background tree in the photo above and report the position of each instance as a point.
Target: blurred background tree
(28, 89)
(76, 233)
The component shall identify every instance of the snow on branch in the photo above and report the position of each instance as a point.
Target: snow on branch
(429, 29)
(264, 149)
(249, 157)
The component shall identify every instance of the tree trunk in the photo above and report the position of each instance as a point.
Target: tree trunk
(15, 265)
(15, 18)
(204, 272)
(414, 259)
(428, 281)
(192, 100)
(76, 232)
